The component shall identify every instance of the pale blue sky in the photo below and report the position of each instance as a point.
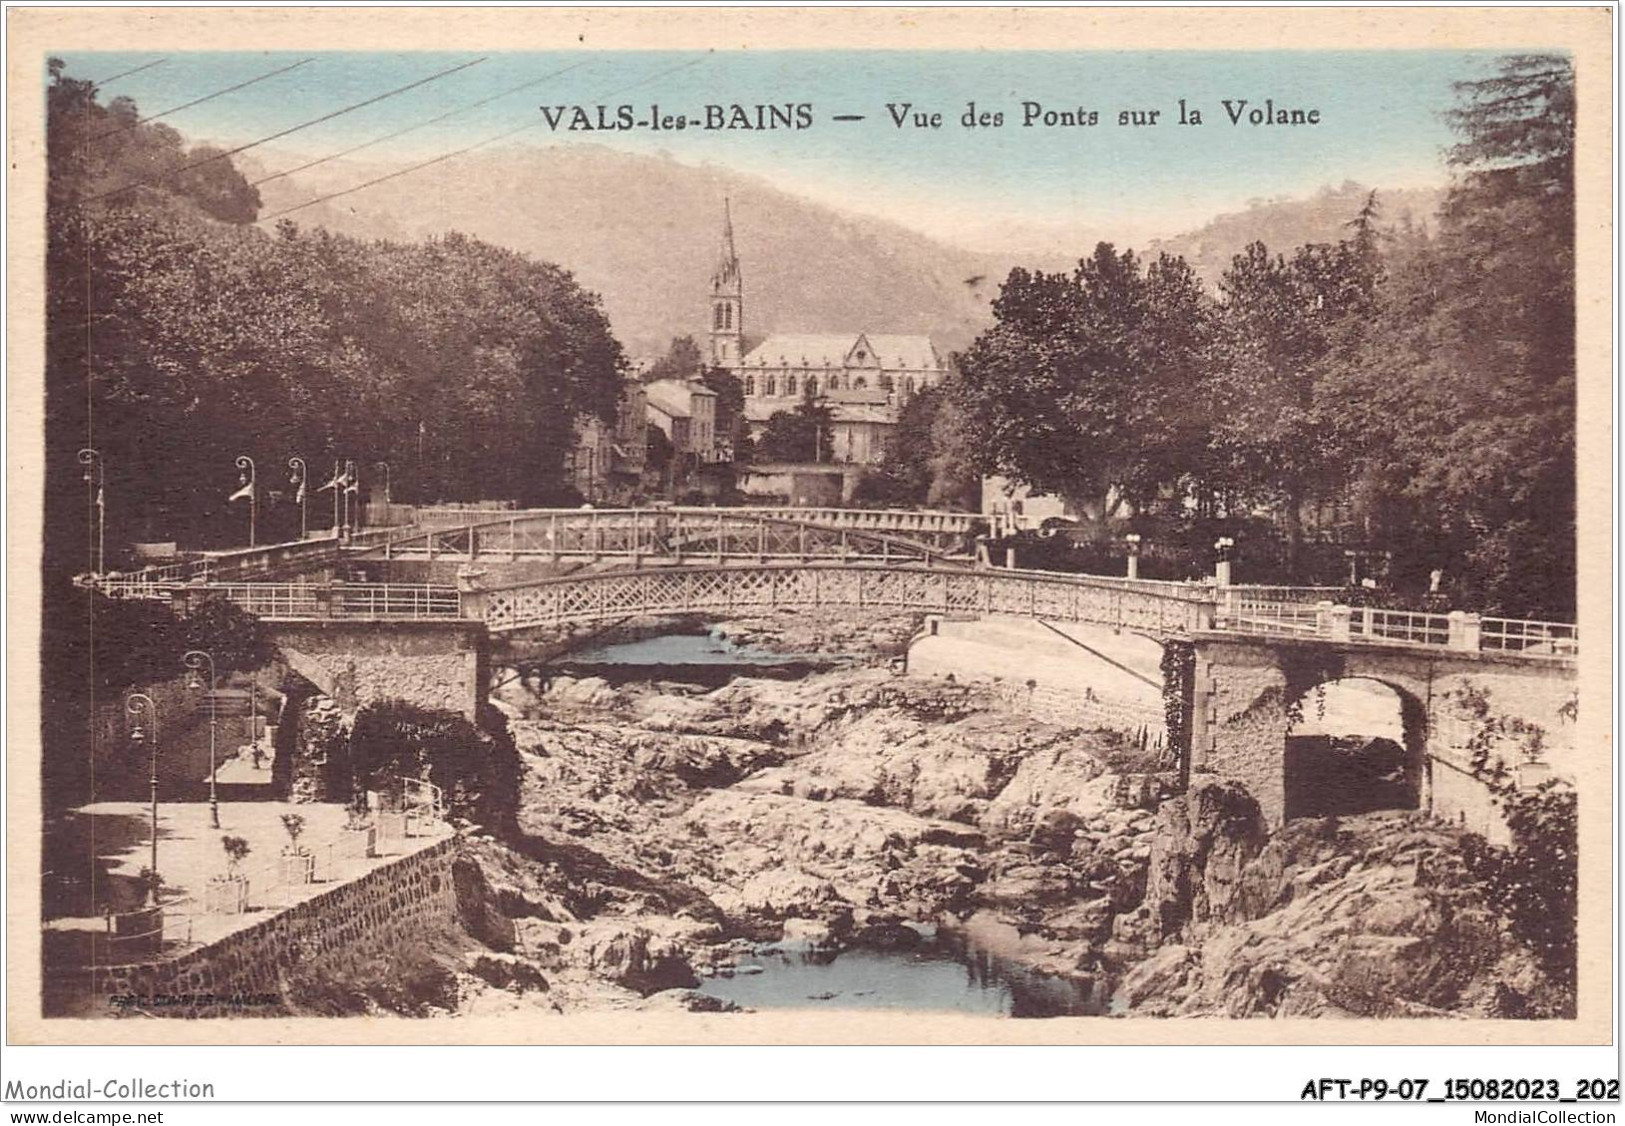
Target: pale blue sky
(1380, 125)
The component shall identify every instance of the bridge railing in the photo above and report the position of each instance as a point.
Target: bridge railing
(1531, 638)
(747, 590)
(1143, 604)
(297, 601)
(717, 533)
(1254, 610)
(1399, 625)
(877, 519)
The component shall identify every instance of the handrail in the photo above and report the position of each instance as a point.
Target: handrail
(1240, 610)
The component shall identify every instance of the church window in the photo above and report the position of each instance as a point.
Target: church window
(812, 385)
(716, 316)
(859, 383)
(772, 386)
(750, 385)
(862, 355)
(789, 385)
(727, 316)
(908, 384)
(885, 382)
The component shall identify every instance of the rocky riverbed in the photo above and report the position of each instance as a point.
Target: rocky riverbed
(668, 835)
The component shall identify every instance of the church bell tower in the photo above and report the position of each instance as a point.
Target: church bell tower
(727, 301)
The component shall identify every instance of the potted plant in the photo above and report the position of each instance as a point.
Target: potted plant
(358, 819)
(298, 862)
(1534, 769)
(228, 893)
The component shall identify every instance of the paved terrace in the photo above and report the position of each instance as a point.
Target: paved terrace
(112, 842)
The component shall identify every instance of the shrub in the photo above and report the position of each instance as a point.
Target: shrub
(237, 851)
(476, 767)
(1534, 884)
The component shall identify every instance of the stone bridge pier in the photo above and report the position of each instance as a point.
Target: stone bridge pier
(432, 663)
(1248, 690)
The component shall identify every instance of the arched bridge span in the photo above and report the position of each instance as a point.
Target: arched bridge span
(1157, 608)
(715, 534)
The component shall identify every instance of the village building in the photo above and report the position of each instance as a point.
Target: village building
(686, 412)
(608, 460)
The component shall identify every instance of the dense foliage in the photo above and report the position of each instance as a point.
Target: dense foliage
(1535, 882)
(94, 649)
(181, 336)
(805, 434)
(1403, 391)
(927, 460)
(476, 767)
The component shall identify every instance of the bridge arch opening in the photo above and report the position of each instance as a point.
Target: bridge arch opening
(1354, 745)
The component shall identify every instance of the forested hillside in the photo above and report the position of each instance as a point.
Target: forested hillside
(182, 335)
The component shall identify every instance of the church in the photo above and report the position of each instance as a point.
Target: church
(863, 377)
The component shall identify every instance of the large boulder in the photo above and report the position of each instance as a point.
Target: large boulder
(1374, 917)
(1200, 845)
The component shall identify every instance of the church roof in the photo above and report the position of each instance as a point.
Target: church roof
(840, 350)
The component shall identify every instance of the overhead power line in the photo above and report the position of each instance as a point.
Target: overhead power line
(127, 73)
(419, 125)
(285, 132)
(200, 101)
(467, 148)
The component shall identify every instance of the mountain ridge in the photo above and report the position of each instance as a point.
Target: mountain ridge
(644, 232)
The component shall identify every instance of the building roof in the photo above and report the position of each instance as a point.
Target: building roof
(675, 397)
(843, 350)
(862, 412)
(758, 409)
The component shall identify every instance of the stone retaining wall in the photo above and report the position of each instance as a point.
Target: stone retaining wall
(1085, 709)
(393, 908)
(432, 664)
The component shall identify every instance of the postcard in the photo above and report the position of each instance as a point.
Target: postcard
(810, 526)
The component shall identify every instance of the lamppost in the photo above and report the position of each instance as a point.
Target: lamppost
(352, 495)
(246, 464)
(1221, 567)
(135, 703)
(300, 474)
(96, 498)
(1133, 541)
(337, 485)
(196, 659)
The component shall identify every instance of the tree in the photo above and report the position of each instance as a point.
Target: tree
(189, 339)
(235, 638)
(732, 426)
(476, 766)
(1083, 385)
(1285, 328)
(927, 458)
(683, 360)
(802, 435)
(1465, 384)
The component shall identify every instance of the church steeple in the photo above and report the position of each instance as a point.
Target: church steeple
(727, 300)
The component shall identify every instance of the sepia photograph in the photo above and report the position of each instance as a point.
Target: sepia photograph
(1079, 541)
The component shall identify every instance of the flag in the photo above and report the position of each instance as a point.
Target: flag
(299, 495)
(352, 479)
(101, 498)
(338, 481)
(244, 493)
